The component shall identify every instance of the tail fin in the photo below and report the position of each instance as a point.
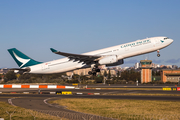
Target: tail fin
(21, 59)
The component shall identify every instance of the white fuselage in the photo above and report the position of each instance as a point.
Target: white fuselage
(121, 51)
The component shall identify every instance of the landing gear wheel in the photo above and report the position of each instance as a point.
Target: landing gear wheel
(90, 72)
(94, 73)
(98, 70)
(95, 69)
(158, 53)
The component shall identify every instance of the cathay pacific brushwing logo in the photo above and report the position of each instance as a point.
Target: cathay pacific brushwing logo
(162, 41)
(23, 61)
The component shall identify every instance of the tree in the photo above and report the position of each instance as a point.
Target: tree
(118, 74)
(130, 75)
(99, 79)
(158, 73)
(105, 73)
(10, 76)
(25, 76)
(109, 74)
(153, 73)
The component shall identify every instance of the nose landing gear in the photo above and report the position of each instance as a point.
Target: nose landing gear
(158, 53)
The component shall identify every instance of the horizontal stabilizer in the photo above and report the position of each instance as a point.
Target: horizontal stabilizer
(19, 70)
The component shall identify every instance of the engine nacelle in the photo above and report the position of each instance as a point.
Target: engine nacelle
(108, 60)
(119, 62)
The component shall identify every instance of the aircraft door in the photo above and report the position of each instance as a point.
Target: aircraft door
(155, 42)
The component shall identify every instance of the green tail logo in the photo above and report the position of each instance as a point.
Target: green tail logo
(21, 59)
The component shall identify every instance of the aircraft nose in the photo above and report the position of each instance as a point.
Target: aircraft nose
(171, 40)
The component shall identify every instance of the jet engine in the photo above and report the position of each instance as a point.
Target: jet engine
(108, 60)
(119, 62)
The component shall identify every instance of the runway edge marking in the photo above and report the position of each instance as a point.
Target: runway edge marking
(35, 86)
(10, 101)
(45, 101)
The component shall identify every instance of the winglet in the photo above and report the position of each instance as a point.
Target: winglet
(53, 50)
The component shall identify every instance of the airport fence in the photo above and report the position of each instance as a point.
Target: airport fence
(64, 115)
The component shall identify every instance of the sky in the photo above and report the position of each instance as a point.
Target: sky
(79, 26)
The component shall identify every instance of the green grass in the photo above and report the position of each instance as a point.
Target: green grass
(126, 109)
(18, 113)
(143, 94)
(131, 88)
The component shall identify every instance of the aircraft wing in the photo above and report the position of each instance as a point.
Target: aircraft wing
(87, 59)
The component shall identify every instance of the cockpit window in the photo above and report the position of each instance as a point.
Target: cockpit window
(166, 38)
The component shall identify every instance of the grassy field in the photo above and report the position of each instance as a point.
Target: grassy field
(124, 109)
(18, 113)
(131, 88)
(143, 94)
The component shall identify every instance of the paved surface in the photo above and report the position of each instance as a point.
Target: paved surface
(28, 96)
(131, 85)
(102, 91)
(37, 102)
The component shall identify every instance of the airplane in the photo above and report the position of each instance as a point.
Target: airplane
(110, 56)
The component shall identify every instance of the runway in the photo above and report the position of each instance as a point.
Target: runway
(86, 91)
(38, 102)
(130, 85)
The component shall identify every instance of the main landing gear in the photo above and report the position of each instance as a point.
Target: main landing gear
(95, 69)
(158, 53)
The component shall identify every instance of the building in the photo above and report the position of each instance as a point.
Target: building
(112, 72)
(86, 70)
(146, 71)
(136, 65)
(79, 72)
(4, 70)
(174, 67)
(169, 66)
(125, 68)
(102, 67)
(158, 66)
(170, 75)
